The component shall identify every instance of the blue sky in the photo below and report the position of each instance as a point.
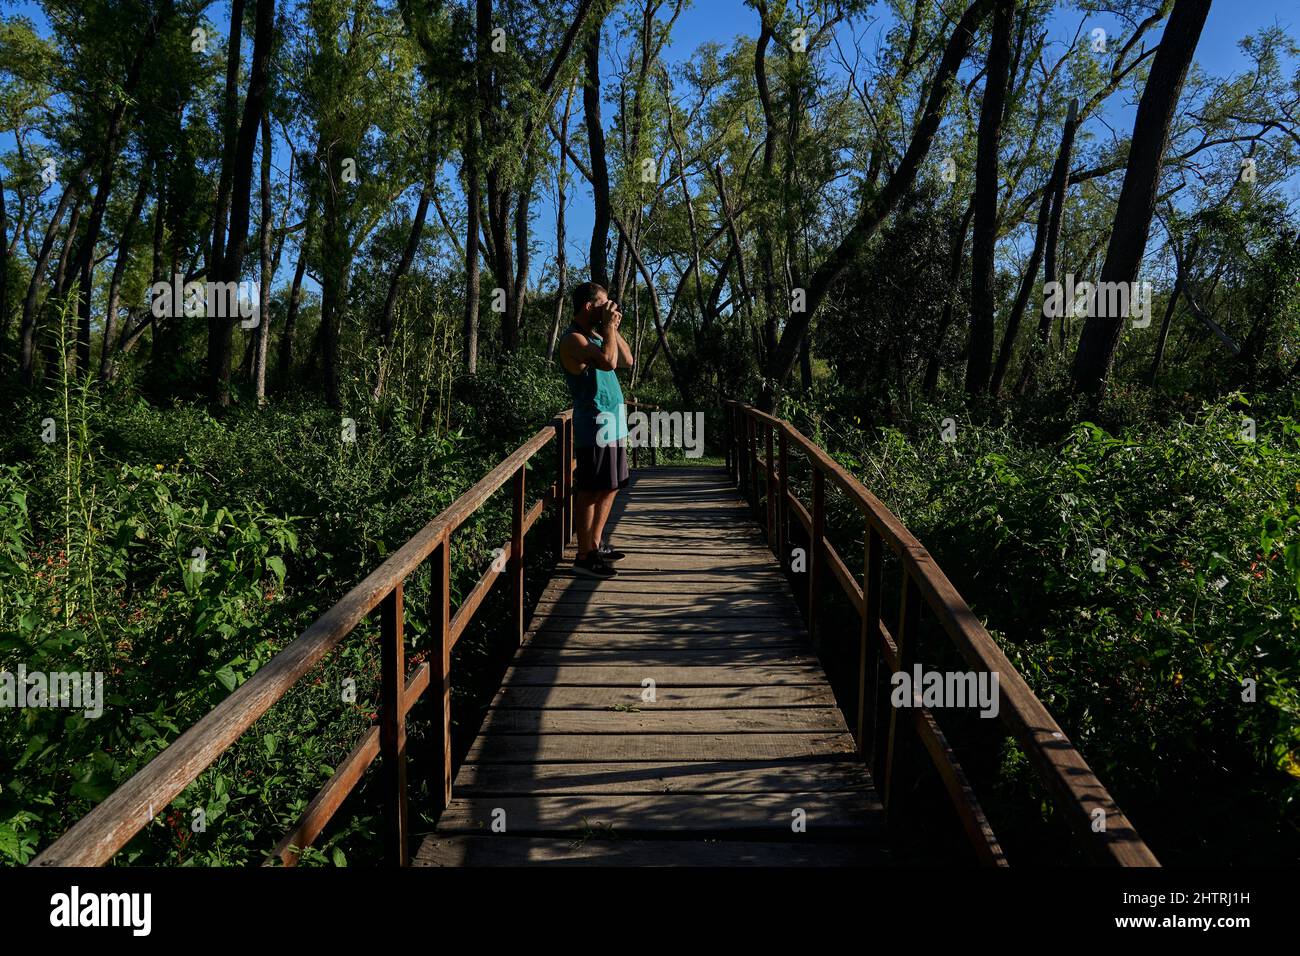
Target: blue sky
(723, 20)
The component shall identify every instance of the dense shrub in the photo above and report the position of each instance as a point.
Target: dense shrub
(1196, 531)
(98, 572)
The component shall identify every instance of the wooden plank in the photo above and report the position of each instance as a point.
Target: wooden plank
(842, 815)
(714, 560)
(647, 583)
(721, 675)
(666, 698)
(650, 659)
(665, 640)
(669, 624)
(766, 720)
(740, 601)
(569, 748)
(772, 776)
(682, 613)
(542, 851)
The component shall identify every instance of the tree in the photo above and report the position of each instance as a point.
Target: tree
(1137, 200)
(979, 363)
(877, 207)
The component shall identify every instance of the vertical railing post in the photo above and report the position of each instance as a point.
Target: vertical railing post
(516, 563)
(392, 726)
(568, 480)
(635, 457)
(769, 490)
(783, 502)
(740, 452)
(751, 454)
(735, 445)
(870, 645)
(901, 718)
(440, 672)
(815, 551)
(561, 503)
(726, 433)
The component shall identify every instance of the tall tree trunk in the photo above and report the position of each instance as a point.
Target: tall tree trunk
(561, 254)
(221, 328)
(1137, 199)
(4, 262)
(52, 351)
(979, 358)
(599, 167)
(266, 270)
(284, 359)
(473, 201)
(1163, 338)
(1018, 307)
(229, 134)
(956, 246)
(766, 263)
(336, 264)
(386, 319)
(1057, 190)
(876, 208)
(514, 318)
(109, 347)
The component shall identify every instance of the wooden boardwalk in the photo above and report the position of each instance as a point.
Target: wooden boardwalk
(674, 715)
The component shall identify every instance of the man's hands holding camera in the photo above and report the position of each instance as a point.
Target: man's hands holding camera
(609, 317)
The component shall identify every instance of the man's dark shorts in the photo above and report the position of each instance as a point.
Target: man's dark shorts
(601, 468)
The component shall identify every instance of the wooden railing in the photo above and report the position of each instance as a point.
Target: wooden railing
(94, 839)
(654, 444)
(758, 449)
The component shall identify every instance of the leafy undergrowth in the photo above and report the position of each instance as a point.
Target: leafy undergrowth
(176, 553)
(1144, 583)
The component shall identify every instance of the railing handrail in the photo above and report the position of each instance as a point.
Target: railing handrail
(1073, 785)
(93, 839)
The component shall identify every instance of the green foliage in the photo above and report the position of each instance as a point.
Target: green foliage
(1144, 662)
(99, 573)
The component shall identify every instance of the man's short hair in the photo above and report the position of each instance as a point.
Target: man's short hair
(585, 294)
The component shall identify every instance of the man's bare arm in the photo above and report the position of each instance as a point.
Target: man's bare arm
(579, 352)
(624, 353)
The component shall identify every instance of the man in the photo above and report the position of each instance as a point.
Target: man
(590, 352)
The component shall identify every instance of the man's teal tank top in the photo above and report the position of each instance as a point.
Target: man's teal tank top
(598, 409)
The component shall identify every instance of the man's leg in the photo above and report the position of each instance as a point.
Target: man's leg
(586, 506)
(603, 506)
(618, 476)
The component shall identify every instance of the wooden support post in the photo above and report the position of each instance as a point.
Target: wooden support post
(561, 502)
(568, 480)
(516, 563)
(751, 437)
(769, 489)
(901, 739)
(440, 672)
(742, 454)
(870, 647)
(392, 727)
(726, 434)
(736, 470)
(516, 557)
(783, 502)
(815, 552)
